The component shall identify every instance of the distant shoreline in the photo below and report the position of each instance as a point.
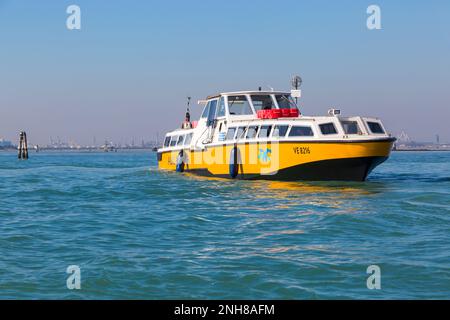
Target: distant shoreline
(82, 150)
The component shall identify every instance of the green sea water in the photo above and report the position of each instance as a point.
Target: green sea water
(137, 232)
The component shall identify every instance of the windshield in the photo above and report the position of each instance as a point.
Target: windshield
(285, 101)
(238, 105)
(262, 102)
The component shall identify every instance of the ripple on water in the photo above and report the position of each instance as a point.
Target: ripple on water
(138, 232)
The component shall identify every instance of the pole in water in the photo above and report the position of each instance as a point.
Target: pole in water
(23, 146)
(19, 155)
(25, 152)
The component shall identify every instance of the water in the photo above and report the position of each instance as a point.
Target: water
(137, 232)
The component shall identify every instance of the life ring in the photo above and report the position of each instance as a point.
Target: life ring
(180, 162)
(234, 166)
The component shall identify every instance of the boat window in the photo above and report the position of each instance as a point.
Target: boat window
(206, 110)
(285, 101)
(301, 131)
(280, 130)
(241, 132)
(350, 127)
(212, 112)
(264, 132)
(239, 105)
(188, 139)
(173, 142)
(180, 140)
(327, 128)
(375, 127)
(167, 141)
(221, 110)
(230, 133)
(251, 132)
(262, 102)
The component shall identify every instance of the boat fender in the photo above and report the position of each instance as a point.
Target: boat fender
(180, 162)
(234, 166)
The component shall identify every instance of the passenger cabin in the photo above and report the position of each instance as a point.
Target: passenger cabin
(252, 116)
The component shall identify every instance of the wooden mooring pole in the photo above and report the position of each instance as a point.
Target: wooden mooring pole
(23, 146)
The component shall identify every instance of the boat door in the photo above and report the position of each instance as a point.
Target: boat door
(211, 121)
(206, 124)
(217, 120)
(212, 113)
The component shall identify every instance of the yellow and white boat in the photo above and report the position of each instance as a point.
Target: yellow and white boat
(261, 135)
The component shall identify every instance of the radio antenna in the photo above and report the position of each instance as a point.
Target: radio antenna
(296, 82)
(188, 115)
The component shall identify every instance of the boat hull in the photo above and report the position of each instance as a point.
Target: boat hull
(283, 161)
(346, 169)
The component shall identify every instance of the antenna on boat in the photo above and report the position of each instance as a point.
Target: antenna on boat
(188, 115)
(296, 82)
(187, 120)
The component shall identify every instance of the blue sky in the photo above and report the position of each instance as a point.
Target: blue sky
(127, 72)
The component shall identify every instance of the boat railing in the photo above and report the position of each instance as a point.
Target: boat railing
(201, 137)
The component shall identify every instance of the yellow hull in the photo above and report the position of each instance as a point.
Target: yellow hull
(286, 160)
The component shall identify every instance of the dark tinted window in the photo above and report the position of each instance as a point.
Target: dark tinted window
(180, 140)
(262, 102)
(298, 131)
(166, 141)
(230, 133)
(350, 127)
(327, 128)
(251, 132)
(280, 131)
(375, 127)
(173, 141)
(264, 132)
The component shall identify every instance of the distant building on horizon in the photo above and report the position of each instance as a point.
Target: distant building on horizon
(4, 144)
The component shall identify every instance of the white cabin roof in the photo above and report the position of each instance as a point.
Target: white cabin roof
(250, 92)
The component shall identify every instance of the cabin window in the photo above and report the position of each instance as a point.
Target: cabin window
(301, 131)
(241, 132)
(280, 131)
(375, 127)
(174, 140)
(252, 132)
(350, 127)
(206, 110)
(239, 105)
(285, 101)
(180, 140)
(167, 141)
(264, 132)
(327, 128)
(262, 102)
(221, 110)
(230, 133)
(212, 112)
(188, 139)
